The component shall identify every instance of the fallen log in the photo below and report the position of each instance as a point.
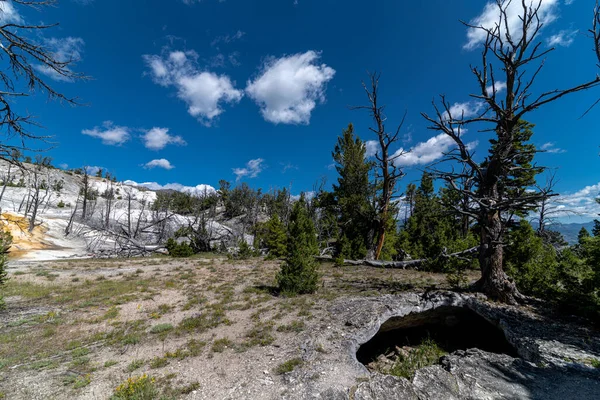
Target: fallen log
(403, 264)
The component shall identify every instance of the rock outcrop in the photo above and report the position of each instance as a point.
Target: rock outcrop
(553, 358)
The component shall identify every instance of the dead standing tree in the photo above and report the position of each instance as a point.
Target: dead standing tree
(518, 57)
(387, 173)
(26, 58)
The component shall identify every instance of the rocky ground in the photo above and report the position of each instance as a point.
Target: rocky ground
(211, 328)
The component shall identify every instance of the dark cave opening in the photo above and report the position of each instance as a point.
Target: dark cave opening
(452, 328)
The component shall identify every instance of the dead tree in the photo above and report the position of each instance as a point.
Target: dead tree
(25, 59)
(38, 184)
(518, 58)
(85, 192)
(387, 172)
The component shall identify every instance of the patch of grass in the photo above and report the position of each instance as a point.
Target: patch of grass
(136, 388)
(43, 364)
(159, 362)
(595, 363)
(190, 388)
(111, 313)
(161, 328)
(110, 363)
(294, 326)
(260, 335)
(135, 364)
(131, 339)
(427, 353)
(220, 345)
(288, 366)
(80, 352)
(203, 322)
(77, 381)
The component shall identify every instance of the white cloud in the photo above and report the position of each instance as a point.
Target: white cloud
(582, 202)
(158, 138)
(160, 163)
(466, 109)
(204, 92)
(252, 169)
(490, 18)
(8, 13)
(563, 38)
(372, 148)
(499, 86)
(427, 152)
(197, 190)
(67, 49)
(289, 87)
(63, 165)
(110, 134)
(551, 148)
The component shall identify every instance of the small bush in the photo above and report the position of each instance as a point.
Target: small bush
(160, 328)
(61, 204)
(288, 366)
(178, 249)
(136, 388)
(221, 344)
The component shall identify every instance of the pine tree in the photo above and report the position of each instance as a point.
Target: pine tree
(275, 237)
(582, 236)
(352, 194)
(299, 273)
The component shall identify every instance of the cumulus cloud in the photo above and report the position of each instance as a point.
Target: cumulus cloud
(372, 148)
(8, 13)
(490, 18)
(158, 163)
(197, 190)
(563, 38)
(289, 88)
(109, 133)
(204, 92)
(158, 138)
(466, 109)
(67, 49)
(251, 170)
(427, 152)
(550, 147)
(498, 87)
(582, 203)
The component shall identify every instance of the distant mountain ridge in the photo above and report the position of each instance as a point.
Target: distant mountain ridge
(571, 230)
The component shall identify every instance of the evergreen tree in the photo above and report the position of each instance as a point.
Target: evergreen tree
(530, 262)
(352, 194)
(582, 236)
(299, 273)
(275, 237)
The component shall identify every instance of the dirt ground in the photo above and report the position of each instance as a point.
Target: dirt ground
(203, 328)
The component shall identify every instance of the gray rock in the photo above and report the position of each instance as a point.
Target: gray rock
(385, 387)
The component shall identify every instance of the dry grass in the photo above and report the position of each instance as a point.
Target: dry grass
(94, 317)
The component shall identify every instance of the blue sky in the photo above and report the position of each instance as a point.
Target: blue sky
(191, 92)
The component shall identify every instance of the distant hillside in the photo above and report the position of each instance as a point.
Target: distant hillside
(570, 231)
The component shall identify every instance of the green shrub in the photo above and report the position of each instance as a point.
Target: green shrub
(288, 366)
(61, 204)
(179, 249)
(136, 388)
